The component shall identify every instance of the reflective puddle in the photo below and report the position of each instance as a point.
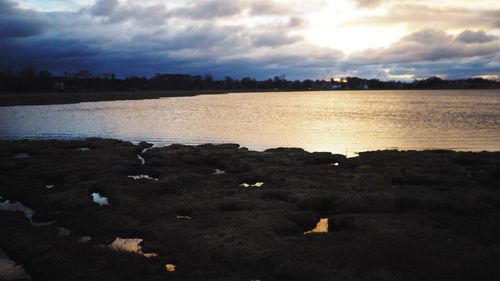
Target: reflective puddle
(255, 185)
(142, 177)
(83, 149)
(143, 161)
(321, 227)
(16, 207)
(10, 270)
(23, 156)
(98, 199)
(170, 267)
(130, 245)
(218, 172)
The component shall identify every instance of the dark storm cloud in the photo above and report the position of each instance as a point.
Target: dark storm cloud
(469, 36)
(258, 38)
(16, 22)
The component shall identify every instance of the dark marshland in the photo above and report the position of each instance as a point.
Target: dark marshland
(235, 140)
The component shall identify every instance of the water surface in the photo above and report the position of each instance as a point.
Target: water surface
(343, 122)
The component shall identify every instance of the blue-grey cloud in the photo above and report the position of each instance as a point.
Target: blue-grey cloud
(104, 7)
(16, 22)
(258, 38)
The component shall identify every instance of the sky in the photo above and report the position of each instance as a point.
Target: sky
(315, 39)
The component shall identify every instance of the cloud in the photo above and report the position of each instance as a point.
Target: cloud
(258, 38)
(480, 36)
(420, 16)
(16, 22)
(431, 45)
(104, 7)
(368, 3)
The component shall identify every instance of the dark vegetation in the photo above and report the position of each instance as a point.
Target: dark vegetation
(432, 215)
(31, 80)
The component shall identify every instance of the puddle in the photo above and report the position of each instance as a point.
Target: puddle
(39, 224)
(255, 185)
(98, 199)
(184, 217)
(142, 177)
(50, 186)
(218, 172)
(63, 231)
(16, 207)
(143, 161)
(84, 239)
(19, 207)
(170, 267)
(23, 156)
(10, 270)
(130, 245)
(146, 149)
(83, 149)
(321, 227)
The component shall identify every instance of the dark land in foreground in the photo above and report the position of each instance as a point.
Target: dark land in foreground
(432, 215)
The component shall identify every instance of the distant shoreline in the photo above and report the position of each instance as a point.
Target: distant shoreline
(51, 98)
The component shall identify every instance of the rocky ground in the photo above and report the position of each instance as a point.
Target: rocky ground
(221, 212)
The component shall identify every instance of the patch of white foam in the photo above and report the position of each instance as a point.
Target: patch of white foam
(218, 172)
(142, 177)
(130, 245)
(23, 156)
(98, 199)
(10, 270)
(50, 186)
(255, 185)
(321, 227)
(83, 149)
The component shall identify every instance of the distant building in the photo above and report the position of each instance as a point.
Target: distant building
(59, 85)
(336, 87)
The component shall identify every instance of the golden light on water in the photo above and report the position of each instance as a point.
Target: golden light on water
(170, 267)
(321, 227)
(130, 246)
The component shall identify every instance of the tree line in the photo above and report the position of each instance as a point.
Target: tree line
(30, 80)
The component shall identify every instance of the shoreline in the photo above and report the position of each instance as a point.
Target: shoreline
(53, 98)
(213, 210)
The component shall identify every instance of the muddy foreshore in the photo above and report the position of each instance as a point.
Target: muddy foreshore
(432, 215)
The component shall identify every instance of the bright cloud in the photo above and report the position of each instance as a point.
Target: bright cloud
(385, 39)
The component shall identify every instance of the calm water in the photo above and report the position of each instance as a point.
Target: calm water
(342, 122)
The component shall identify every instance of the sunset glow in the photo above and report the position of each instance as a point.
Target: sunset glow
(261, 39)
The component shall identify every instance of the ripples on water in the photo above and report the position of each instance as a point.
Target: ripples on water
(342, 122)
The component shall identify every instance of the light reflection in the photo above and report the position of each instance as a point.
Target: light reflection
(342, 122)
(142, 177)
(321, 227)
(10, 270)
(170, 267)
(255, 185)
(130, 245)
(98, 199)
